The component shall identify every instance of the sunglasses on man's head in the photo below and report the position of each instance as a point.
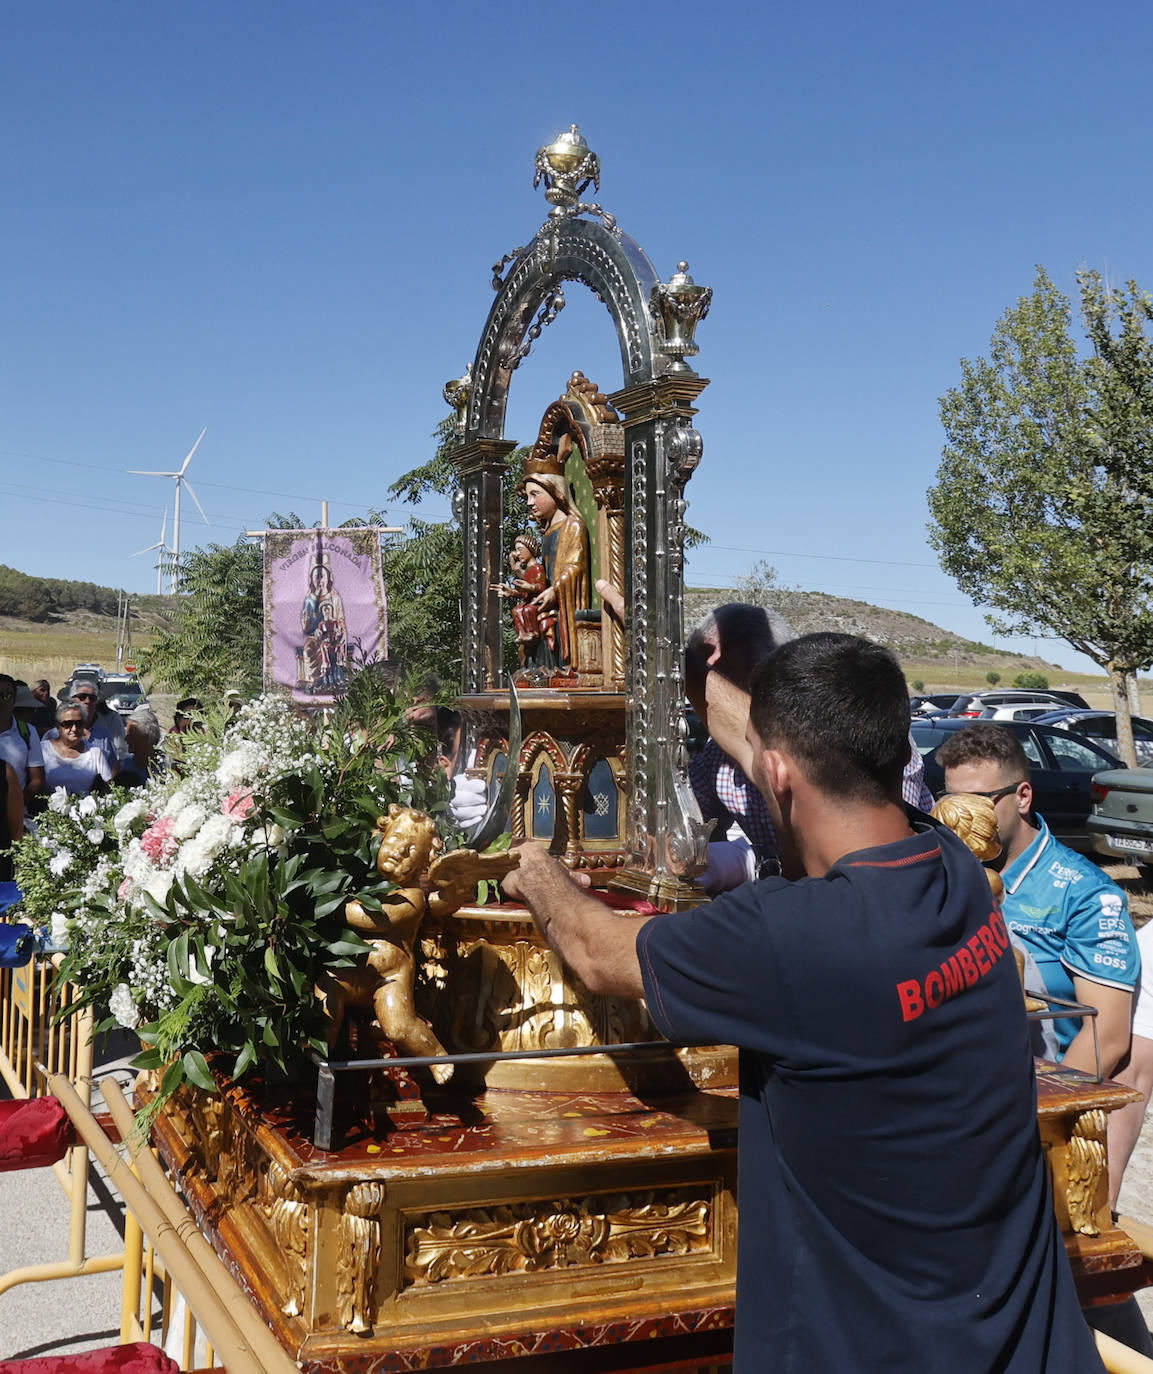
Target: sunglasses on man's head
(84, 696)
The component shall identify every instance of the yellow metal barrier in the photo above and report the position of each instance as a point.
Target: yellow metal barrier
(30, 998)
(164, 1243)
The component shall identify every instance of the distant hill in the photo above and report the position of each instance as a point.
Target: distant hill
(45, 600)
(910, 638)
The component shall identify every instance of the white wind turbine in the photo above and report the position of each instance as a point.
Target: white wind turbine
(181, 482)
(162, 545)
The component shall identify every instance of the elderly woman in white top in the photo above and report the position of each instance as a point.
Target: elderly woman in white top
(104, 726)
(70, 760)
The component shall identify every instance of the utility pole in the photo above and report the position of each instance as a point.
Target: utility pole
(123, 626)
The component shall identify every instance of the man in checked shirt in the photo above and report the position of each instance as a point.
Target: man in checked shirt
(733, 639)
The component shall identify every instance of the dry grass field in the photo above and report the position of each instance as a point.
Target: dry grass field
(30, 651)
(52, 651)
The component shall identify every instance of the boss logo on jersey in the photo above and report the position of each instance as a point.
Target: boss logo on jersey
(1111, 961)
(968, 963)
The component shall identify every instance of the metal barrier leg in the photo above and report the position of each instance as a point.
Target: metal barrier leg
(29, 1000)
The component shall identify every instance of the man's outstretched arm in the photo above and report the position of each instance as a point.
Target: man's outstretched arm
(722, 706)
(597, 943)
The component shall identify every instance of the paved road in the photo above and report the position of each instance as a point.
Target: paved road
(71, 1315)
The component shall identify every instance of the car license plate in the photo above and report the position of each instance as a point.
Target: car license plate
(1128, 842)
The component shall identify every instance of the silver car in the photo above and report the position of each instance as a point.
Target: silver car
(1101, 728)
(1121, 822)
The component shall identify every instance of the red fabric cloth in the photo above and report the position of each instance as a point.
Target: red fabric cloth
(33, 1132)
(623, 903)
(118, 1359)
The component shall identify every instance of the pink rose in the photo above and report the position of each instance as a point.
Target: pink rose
(123, 890)
(237, 804)
(158, 841)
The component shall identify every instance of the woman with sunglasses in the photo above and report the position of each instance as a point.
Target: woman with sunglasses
(71, 760)
(104, 726)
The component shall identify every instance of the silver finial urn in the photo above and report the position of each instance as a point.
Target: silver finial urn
(567, 166)
(680, 305)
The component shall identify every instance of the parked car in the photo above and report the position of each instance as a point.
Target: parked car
(1061, 769)
(123, 693)
(1101, 727)
(977, 703)
(1014, 712)
(1121, 824)
(937, 703)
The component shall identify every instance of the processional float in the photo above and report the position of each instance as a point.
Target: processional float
(568, 1198)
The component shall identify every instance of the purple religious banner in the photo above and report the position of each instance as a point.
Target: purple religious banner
(324, 610)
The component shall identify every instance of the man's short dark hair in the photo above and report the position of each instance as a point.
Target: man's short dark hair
(984, 743)
(840, 706)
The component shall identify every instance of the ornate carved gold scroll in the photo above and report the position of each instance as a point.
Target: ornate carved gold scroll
(358, 1256)
(565, 1233)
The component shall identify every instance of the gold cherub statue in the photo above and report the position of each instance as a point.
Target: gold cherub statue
(383, 981)
(973, 820)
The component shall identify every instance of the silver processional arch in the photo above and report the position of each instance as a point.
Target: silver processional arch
(655, 322)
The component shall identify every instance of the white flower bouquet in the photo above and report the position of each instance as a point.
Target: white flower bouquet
(201, 910)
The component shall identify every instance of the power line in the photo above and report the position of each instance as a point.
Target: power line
(107, 508)
(828, 557)
(220, 486)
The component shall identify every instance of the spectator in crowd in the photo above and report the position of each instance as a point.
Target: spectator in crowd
(11, 819)
(740, 635)
(1066, 912)
(144, 757)
(732, 640)
(25, 707)
(70, 760)
(20, 744)
(187, 717)
(45, 717)
(895, 1205)
(103, 724)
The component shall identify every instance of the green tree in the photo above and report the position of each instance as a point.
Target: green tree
(215, 640)
(992, 679)
(1043, 504)
(1037, 681)
(758, 585)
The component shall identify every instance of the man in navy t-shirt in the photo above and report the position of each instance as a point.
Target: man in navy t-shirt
(894, 1205)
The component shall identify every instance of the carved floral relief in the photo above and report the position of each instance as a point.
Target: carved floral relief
(531, 1237)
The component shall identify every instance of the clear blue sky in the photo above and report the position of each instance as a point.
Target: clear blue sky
(277, 220)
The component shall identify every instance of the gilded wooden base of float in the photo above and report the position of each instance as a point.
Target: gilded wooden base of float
(490, 983)
(1072, 1110)
(550, 1227)
(580, 1223)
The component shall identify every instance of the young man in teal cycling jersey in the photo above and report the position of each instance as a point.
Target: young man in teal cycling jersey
(1066, 912)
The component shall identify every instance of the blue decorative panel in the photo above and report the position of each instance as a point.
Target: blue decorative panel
(543, 822)
(600, 803)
